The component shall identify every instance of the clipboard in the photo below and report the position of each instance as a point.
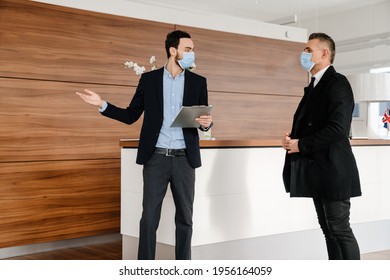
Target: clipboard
(187, 115)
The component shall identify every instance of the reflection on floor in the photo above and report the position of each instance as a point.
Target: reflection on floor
(113, 251)
(382, 255)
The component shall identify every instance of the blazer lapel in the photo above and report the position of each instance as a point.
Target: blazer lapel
(187, 88)
(159, 86)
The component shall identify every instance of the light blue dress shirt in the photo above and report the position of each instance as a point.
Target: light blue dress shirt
(173, 90)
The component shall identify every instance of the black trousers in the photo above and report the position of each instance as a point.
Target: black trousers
(158, 172)
(333, 217)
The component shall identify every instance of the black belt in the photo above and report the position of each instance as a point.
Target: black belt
(170, 152)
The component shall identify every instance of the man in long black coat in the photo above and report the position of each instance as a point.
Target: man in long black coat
(319, 161)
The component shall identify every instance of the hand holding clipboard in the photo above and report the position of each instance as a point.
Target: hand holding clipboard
(187, 115)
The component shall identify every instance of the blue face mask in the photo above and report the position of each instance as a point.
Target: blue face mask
(187, 60)
(306, 62)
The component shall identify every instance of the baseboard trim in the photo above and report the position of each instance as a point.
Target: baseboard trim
(16, 251)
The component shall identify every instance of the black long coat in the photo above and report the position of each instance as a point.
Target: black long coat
(148, 99)
(325, 167)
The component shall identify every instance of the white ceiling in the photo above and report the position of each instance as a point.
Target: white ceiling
(263, 10)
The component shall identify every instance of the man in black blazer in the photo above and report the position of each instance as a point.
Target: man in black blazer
(319, 161)
(169, 155)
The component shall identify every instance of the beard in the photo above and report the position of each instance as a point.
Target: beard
(177, 58)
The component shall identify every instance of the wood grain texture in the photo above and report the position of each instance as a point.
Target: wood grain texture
(54, 200)
(40, 41)
(45, 120)
(247, 64)
(251, 116)
(50, 122)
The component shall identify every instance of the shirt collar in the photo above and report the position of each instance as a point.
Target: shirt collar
(168, 75)
(319, 75)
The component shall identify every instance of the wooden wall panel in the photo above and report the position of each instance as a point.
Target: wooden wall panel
(239, 63)
(45, 120)
(251, 116)
(40, 41)
(54, 200)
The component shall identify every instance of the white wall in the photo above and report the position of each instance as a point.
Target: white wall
(356, 23)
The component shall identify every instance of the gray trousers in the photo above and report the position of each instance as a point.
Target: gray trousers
(158, 172)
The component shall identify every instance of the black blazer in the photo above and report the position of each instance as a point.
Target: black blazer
(325, 167)
(148, 99)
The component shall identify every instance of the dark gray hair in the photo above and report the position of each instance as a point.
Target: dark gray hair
(328, 40)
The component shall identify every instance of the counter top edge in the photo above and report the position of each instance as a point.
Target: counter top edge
(133, 143)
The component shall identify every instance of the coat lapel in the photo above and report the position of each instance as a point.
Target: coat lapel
(309, 98)
(301, 104)
(313, 95)
(302, 107)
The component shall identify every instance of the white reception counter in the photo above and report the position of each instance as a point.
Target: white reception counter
(242, 211)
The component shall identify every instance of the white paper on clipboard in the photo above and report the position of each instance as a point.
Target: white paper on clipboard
(187, 115)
